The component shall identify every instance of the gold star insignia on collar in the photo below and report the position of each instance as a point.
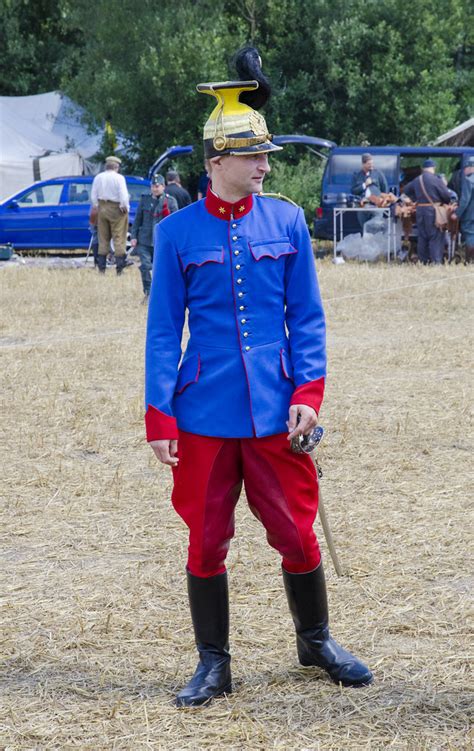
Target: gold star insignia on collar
(242, 208)
(221, 210)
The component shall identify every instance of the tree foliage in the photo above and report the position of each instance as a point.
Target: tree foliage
(35, 44)
(353, 71)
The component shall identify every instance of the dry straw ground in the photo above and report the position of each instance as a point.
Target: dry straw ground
(95, 636)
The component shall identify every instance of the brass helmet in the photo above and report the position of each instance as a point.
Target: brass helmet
(234, 126)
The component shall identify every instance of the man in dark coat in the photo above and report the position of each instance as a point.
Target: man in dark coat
(175, 189)
(465, 211)
(427, 189)
(153, 207)
(368, 181)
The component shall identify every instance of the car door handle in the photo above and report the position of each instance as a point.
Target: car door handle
(54, 214)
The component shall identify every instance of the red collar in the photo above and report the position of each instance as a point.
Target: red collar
(225, 210)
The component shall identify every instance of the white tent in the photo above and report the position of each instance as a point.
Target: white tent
(42, 136)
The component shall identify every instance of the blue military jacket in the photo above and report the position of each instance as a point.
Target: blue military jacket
(246, 274)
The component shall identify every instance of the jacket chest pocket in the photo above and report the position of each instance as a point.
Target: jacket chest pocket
(273, 248)
(199, 255)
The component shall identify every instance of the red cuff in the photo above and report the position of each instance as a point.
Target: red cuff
(160, 427)
(310, 394)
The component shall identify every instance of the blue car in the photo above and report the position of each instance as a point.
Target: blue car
(55, 213)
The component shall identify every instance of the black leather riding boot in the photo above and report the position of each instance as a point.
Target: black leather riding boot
(209, 603)
(101, 263)
(120, 263)
(307, 599)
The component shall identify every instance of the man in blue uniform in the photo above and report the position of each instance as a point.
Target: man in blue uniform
(428, 189)
(465, 210)
(252, 377)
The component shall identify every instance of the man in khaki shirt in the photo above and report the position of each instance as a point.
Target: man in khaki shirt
(110, 197)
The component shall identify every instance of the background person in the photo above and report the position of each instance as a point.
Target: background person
(426, 189)
(153, 207)
(365, 182)
(110, 196)
(202, 185)
(175, 189)
(465, 210)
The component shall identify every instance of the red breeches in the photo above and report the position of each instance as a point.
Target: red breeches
(281, 489)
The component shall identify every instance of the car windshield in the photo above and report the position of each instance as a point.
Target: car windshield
(46, 195)
(343, 166)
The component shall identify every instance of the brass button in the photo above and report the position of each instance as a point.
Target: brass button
(234, 226)
(239, 281)
(235, 238)
(243, 320)
(238, 267)
(242, 307)
(241, 294)
(246, 333)
(247, 349)
(236, 252)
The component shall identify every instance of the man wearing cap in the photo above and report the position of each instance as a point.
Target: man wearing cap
(368, 181)
(110, 196)
(428, 189)
(251, 378)
(465, 210)
(175, 189)
(153, 207)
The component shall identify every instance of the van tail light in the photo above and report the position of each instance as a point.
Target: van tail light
(319, 212)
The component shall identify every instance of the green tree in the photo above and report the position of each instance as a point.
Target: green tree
(35, 46)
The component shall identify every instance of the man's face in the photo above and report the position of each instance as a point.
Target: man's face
(368, 166)
(469, 170)
(243, 175)
(157, 189)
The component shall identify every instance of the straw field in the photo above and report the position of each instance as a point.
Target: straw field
(95, 635)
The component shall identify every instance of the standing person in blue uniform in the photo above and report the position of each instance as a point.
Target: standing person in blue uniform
(427, 189)
(365, 182)
(465, 210)
(153, 207)
(243, 266)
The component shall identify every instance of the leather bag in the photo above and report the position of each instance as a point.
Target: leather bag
(441, 210)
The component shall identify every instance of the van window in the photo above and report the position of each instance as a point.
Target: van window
(343, 166)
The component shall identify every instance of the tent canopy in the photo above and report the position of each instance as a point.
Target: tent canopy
(43, 136)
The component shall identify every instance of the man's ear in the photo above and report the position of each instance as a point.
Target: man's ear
(216, 162)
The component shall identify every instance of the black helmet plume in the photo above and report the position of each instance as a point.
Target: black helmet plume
(248, 66)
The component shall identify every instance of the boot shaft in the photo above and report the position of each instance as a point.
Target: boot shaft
(209, 604)
(307, 599)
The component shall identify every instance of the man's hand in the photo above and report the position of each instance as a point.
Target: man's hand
(133, 243)
(368, 182)
(308, 420)
(165, 451)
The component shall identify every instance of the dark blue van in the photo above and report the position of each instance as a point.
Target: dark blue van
(400, 164)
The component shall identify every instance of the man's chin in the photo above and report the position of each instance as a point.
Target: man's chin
(257, 186)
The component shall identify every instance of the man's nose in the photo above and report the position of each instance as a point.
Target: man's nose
(264, 165)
